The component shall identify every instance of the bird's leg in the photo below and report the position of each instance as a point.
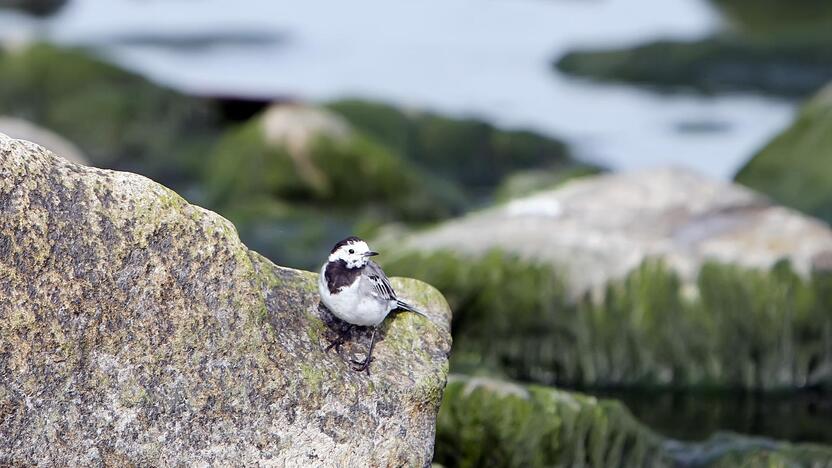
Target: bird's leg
(338, 341)
(365, 365)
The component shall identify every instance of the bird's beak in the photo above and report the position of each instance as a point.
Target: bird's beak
(370, 254)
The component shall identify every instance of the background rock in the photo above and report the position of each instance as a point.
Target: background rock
(488, 422)
(794, 168)
(136, 328)
(23, 130)
(119, 119)
(35, 7)
(471, 152)
(792, 66)
(598, 229)
(659, 279)
(301, 153)
(778, 47)
(297, 178)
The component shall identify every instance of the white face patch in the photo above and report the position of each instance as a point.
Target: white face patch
(352, 254)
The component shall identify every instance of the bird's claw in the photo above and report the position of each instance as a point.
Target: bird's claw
(337, 343)
(361, 366)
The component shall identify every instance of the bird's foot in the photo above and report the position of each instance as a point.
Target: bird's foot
(362, 366)
(336, 343)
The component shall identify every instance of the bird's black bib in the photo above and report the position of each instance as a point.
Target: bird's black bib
(338, 276)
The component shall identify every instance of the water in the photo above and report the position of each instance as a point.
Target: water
(695, 416)
(485, 58)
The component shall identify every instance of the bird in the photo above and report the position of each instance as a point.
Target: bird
(356, 290)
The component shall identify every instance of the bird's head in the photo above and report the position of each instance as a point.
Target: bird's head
(353, 251)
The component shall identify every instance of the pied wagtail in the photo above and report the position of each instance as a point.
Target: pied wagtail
(356, 290)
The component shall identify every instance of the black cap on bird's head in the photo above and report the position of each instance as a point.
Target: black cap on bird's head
(353, 251)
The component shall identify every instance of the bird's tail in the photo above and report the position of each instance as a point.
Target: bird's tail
(400, 304)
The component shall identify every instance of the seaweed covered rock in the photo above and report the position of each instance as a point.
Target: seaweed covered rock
(794, 168)
(305, 154)
(297, 178)
(780, 47)
(725, 449)
(137, 329)
(646, 279)
(787, 66)
(35, 7)
(767, 17)
(469, 151)
(488, 422)
(118, 119)
(599, 228)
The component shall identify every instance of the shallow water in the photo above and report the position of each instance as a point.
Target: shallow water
(488, 58)
(695, 416)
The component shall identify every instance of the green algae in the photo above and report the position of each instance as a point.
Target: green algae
(492, 423)
(117, 118)
(748, 329)
(792, 65)
(487, 422)
(471, 152)
(793, 168)
(357, 171)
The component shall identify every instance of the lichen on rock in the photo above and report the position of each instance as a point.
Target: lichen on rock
(136, 328)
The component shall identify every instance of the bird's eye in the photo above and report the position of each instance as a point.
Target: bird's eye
(352, 251)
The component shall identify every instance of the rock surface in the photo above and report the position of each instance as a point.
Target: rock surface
(488, 422)
(794, 167)
(35, 7)
(136, 329)
(794, 65)
(471, 152)
(600, 228)
(297, 178)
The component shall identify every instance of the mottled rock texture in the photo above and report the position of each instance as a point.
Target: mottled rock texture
(137, 329)
(597, 229)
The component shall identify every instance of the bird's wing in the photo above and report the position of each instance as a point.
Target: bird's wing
(381, 287)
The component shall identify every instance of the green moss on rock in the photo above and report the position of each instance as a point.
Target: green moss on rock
(148, 334)
(724, 449)
(34, 7)
(487, 422)
(765, 17)
(784, 64)
(794, 168)
(118, 119)
(469, 151)
(349, 172)
(484, 422)
(737, 328)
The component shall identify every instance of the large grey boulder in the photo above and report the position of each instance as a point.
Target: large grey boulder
(135, 328)
(597, 229)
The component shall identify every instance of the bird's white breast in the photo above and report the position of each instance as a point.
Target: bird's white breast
(352, 303)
